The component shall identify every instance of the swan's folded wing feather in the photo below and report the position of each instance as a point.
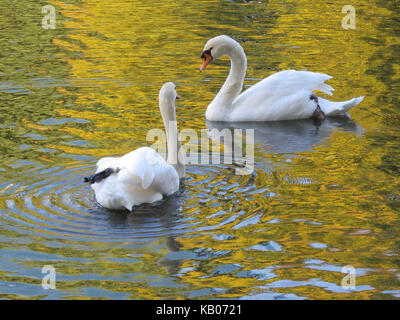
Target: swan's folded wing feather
(107, 162)
(282, 84)
(134, 168)
(129, 178)
(139, 164)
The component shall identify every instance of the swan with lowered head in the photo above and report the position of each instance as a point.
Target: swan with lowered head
(285, 95)
(142, 176)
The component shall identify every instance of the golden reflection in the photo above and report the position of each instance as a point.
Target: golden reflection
(91, 91)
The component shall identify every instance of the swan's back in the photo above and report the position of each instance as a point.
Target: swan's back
(282, 96)
(141, 176)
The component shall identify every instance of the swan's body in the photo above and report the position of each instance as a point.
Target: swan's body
(142, 176)
(285, 95)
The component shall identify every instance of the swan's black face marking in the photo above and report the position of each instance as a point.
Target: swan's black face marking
(100, 176)
(206, 52)
(207, 58)
(177, 96)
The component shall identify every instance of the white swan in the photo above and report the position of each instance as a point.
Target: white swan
(285, 95)
(142, 176)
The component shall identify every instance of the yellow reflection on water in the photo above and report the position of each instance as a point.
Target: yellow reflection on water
(235, 235)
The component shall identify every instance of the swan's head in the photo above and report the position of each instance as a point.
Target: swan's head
(216, 48)
(168, 92)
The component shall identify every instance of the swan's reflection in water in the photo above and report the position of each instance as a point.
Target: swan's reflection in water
(148, 217)
(290, 136)
(164, 220)
(171, 265)
(159, 220)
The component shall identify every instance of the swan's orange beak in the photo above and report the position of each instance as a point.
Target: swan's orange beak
(207, 58)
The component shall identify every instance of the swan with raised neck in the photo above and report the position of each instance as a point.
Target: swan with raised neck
(142, 175)
(285, 95)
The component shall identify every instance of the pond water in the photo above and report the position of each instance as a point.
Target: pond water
(319, 199)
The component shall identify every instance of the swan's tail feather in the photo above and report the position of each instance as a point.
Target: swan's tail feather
(325, 88)
(332, 109)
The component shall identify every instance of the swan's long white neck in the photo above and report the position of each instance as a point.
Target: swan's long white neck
(234, 82)
(175, 153)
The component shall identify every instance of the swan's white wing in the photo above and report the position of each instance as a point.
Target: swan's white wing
(166, 179)
(141, 176)
(134, 168)
(282, 84)
(126, 173)
(139, 164)
(282, 96)
(107, 162)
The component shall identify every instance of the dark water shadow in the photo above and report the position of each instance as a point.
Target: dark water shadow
(148, 222)
(290, 136)
(171, 265)
(164, 212)
(161, 220)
